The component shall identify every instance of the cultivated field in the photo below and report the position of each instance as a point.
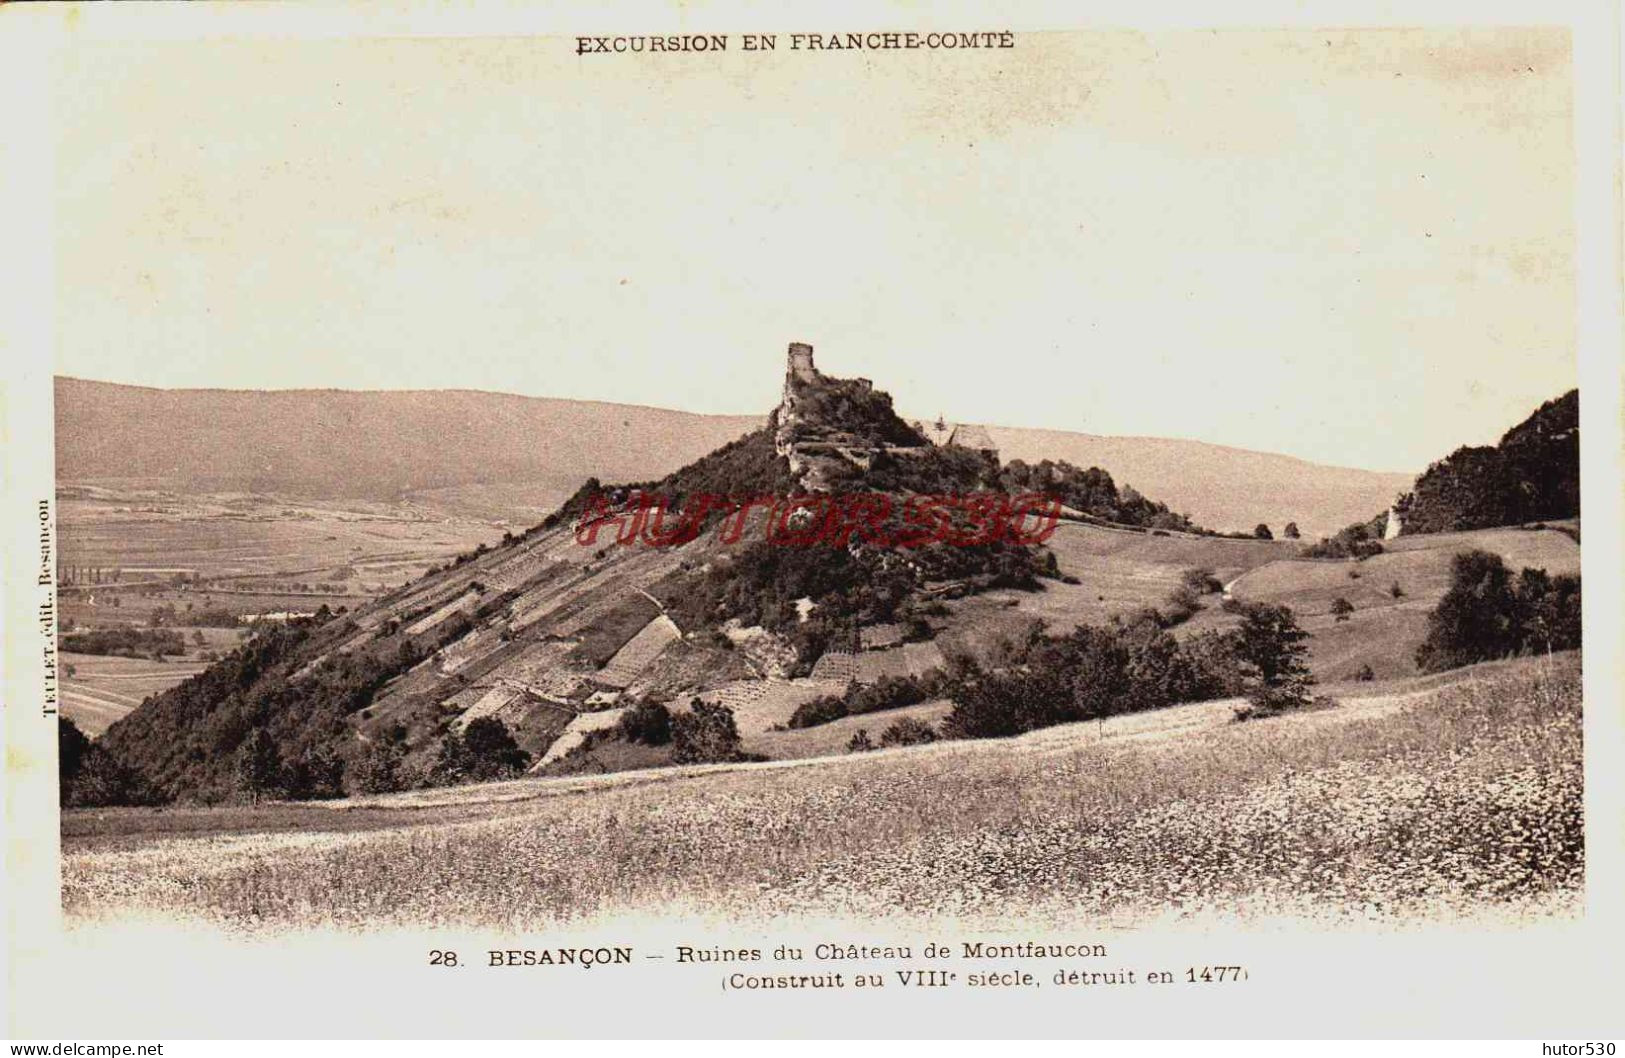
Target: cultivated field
(1435, 798)
(99, 689)
(254, 543)
(240, 554)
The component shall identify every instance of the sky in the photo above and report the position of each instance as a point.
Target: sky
(1354, 247)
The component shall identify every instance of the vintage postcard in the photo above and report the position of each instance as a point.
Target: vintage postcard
(878, 521)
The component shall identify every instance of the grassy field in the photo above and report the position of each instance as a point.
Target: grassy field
(1385, 629)
(1434, 798)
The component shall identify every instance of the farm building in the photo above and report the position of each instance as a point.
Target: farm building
(957, 435)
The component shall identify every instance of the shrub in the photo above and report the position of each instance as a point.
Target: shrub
(917, 629)
(1364, 549)
(1549, 609)
(102, 779)
(1000, 704)
(1215, 670)
(648, 723)
(1131, 664)
(909, 731)
(1262, 532)
(1396, 591)
(1358, 541)
(1182, 604)
(1365, 675)
(820, 710)
(1341, 608)
(1201, 581)
(860, 742)
(705, 734)
(1100, 675)
(888, 692)
(1291, 531)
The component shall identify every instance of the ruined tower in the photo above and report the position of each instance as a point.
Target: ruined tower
(801, 362)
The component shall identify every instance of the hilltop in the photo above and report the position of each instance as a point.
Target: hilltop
(1532, 474)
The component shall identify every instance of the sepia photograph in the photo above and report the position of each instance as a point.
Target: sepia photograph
(1021, 487)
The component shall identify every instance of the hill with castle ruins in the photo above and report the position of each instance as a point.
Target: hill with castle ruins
(493, 455)
(577, 646)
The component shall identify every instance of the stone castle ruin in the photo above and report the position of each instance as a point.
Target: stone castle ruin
(815, 449)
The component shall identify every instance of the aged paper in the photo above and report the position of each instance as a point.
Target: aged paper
(538, 521)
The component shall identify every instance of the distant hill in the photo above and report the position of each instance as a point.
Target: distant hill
(348, 444)
(1533, 474)
(1228, 489)
(336, 444)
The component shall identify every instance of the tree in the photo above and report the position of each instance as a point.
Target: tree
(453, 764)
(1023, 697)
(492, 750)
(705, 734)
(1341, 608)
(1271, 647)
(1100, 683)
(1262, 532)
(72, 747)
(1291, 531)
(259, 765)
(1532, 474)
(1549, 610)
(379, 768)
(103, 780)
(1478, 618)
(317, 775)
(860, 742)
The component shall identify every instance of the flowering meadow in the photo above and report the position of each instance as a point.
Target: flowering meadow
(1439, 799)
